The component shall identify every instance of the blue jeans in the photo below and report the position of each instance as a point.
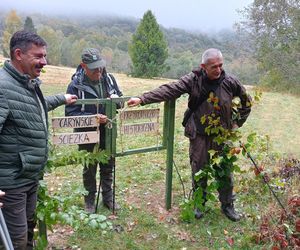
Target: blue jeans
(18, 210)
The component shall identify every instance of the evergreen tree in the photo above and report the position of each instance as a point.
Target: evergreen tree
(28, 25)
(148, 49)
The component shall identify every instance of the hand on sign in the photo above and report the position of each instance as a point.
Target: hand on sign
(113, 96)
(1, 194)
(134, 101)
(70, 99)
(101, 118)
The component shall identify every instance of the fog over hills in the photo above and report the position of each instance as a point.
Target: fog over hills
(189, 14)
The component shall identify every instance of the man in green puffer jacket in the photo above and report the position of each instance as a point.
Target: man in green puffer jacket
(23, 133)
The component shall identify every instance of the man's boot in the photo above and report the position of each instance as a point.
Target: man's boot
(89, 203)
(229, 211)
(198, 213)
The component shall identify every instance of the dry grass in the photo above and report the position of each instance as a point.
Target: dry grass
(277, 115)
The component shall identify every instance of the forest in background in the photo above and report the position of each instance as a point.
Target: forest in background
(263, 49)
(66, 37)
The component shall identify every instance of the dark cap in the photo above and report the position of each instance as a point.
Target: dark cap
(91, 57)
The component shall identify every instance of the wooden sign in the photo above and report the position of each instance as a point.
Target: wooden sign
(75, 121)
(76, 138)
(139, 114)
(139, 128)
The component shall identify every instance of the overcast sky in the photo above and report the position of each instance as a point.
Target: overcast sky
(201, 15)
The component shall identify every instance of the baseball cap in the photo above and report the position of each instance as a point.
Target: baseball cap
(91, 57)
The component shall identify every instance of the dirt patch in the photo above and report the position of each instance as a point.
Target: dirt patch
(59, 237)
(154, 203)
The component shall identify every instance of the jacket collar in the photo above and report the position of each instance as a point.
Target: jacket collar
(22, 78)
(199, 72)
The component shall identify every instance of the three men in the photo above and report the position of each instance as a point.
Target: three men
(24, 125)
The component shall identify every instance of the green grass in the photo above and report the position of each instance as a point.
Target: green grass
(278, 115)
(143, 222)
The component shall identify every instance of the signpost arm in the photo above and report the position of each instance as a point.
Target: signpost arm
(169, 118)
(114, 128)
(108, 130)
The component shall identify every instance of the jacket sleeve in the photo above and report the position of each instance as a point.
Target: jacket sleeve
(54, 101)
(246, 100)
(115, 85)
(169, 91)
(4, 110)
(116, 90)
(73, 109)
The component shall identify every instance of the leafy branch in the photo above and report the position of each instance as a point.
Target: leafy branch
(59, 208)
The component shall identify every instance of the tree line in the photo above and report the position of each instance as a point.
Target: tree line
(112, 35)
(263, 49)
(274, 26)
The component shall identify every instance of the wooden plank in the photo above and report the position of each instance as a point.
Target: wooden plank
(140, 128)
(76, 138)
(75, 121)
(139, 114)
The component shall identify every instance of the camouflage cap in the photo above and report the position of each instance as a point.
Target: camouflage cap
(91, 57)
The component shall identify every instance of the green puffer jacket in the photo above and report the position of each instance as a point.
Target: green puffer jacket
(23, 128)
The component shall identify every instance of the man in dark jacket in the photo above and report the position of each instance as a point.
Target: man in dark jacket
(209, 78)
(91, 81)
(23, 133)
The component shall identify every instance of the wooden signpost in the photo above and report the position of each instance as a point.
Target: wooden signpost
(77, 137)
(131, 122)
(139, 128)
(139, 114)
(75, 121)
(147, 126)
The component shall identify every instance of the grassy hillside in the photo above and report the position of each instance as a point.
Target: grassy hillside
(277, 115)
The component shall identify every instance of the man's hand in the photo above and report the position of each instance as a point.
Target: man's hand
(113, 96)
(1, 194)
(134, 101)
(70, 99)
(102, 119)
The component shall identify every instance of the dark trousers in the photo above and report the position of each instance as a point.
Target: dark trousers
(89, 176)
(18, 211)
(199, 156)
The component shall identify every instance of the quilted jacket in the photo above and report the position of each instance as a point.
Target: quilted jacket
(23, 127)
